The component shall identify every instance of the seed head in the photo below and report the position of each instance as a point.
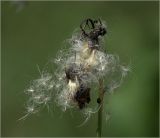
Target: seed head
(79, 69)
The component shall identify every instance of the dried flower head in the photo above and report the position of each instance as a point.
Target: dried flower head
(79, 69)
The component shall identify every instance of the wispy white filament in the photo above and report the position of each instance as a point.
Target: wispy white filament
(88, 64)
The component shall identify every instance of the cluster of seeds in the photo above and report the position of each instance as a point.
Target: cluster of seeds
(79, 69)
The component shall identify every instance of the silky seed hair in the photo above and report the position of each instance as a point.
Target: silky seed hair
(83, 63)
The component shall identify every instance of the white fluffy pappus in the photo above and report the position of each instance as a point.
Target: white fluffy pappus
(78, 67)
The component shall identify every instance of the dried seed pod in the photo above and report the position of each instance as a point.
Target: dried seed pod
(82, 96)
(92, 30)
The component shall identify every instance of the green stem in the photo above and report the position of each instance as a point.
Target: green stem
(101, 95)
(99, 129)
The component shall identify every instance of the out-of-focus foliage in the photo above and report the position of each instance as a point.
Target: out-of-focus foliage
(33, 33)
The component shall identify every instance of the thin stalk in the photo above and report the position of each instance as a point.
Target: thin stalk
(100, 102)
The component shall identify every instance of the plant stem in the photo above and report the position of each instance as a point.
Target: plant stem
(101, 95)
(99, 129)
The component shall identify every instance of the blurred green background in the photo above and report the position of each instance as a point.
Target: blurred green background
(33, 32)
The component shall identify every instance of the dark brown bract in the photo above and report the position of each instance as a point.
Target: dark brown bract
(82, 96)
(92, 30)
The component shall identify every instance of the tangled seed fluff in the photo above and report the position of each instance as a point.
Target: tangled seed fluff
(73, 83)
